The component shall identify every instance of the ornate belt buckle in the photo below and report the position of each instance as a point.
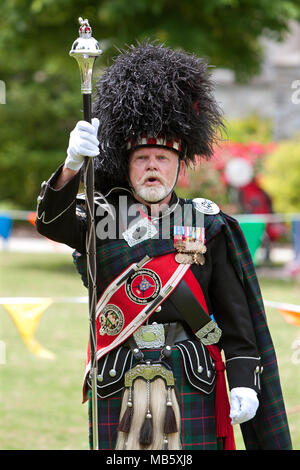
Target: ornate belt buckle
(148, 372)
(150, 336)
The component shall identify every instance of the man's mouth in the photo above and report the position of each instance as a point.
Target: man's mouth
(152, 180)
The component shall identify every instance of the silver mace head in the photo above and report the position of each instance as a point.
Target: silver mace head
(85, 50)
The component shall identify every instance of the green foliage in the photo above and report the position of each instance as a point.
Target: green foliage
(250, 138)
(205, 181)
(43, 99)
(281, 177)
(250, 129)
(34, 133)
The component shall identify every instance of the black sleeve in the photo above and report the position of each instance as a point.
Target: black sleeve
(58, 216)
(232, 314)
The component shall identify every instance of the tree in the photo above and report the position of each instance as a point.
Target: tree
(43, 99)
(281, 177)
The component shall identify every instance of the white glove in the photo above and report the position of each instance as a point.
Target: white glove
(83, 143)
(244, 404)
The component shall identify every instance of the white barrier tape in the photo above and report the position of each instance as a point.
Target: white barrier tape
(282, 306)
(33, 300)
(268, 218)
(16, 215)
(84, 300)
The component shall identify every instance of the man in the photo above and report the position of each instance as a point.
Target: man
(174, 274)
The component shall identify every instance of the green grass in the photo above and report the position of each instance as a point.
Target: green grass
(41, 399)
(283, 335)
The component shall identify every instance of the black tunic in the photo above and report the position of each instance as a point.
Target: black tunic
(60, 218)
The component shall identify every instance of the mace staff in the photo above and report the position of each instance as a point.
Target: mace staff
(85, 50)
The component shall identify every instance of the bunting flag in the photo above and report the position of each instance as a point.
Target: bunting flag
(26, 314)
(290, 315)
(32, 218)
(254, 233)
(290, 312)
(5, 226)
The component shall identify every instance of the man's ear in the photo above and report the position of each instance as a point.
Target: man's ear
(181, 168)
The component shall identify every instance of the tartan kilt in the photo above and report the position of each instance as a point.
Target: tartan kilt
(197, 409)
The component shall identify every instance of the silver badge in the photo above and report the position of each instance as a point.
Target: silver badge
(205, 206)
(139, 232)
(209, 333)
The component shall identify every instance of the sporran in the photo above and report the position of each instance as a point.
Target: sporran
(150, 415)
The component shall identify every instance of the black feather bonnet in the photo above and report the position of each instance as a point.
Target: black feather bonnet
(152, 90)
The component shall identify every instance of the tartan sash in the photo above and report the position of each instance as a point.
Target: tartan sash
(269, 428)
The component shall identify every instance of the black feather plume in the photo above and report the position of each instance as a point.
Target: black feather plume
(153, 90)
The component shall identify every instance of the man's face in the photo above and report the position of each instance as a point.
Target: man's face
(153, 173)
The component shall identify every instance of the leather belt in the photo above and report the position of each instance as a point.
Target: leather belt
(180, 333)
(194, 314)
(157, 335)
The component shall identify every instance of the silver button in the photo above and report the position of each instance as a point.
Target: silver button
(158, 309)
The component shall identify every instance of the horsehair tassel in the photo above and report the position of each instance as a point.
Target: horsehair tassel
(170, 425)
(146, 432)
(125, 423)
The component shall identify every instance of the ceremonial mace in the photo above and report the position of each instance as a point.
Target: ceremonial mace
(85, 50)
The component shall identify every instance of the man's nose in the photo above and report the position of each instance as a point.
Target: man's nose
(152, 163)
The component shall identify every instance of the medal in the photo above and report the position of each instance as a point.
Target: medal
(184, 258)
(189, 244)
